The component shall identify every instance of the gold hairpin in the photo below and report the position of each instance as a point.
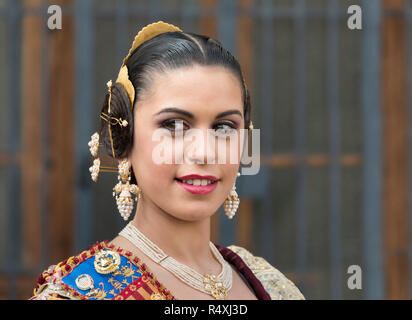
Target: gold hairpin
(109, 86)
(113, 121)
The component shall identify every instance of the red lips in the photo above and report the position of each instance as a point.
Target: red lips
(196, 176)
(198, 190)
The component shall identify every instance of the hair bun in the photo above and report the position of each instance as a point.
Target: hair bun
(122, 136)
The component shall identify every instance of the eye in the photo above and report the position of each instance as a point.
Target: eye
(174, 125)
(224, 129)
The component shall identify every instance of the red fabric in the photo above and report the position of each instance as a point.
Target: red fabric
(242, 267)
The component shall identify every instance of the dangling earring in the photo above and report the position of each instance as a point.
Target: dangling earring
(232, 202)
(125, 201)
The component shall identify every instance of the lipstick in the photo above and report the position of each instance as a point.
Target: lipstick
(197, 184)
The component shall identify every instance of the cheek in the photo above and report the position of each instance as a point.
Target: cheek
(230, 151)
(151, 174)
(230, 175)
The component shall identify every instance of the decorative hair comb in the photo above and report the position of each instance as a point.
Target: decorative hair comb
(148, 32)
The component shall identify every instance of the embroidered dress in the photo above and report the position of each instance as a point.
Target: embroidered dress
(108, 272)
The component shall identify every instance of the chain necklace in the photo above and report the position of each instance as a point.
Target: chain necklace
(217, 286)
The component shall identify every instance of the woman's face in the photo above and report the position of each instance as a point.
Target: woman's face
(197, 111)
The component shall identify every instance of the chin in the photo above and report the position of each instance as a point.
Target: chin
(194, 213)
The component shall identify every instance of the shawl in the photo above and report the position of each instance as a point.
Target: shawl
(134, 281)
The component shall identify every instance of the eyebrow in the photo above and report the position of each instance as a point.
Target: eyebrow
(191, 115)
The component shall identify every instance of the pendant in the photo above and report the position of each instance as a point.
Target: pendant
(214, 287)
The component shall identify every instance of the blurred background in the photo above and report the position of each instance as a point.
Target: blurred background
(333, 106)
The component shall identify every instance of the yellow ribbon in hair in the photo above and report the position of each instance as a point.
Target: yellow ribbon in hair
(145, 34)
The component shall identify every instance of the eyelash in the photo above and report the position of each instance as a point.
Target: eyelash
(232, 127)
(168, 122)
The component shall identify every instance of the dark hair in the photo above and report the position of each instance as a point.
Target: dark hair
(171, 50)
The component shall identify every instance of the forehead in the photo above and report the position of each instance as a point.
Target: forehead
(194, 88)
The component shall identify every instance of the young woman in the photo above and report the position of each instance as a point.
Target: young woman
(172, 85)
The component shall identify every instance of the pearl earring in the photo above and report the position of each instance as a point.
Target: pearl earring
(232, 202)
(125, 201)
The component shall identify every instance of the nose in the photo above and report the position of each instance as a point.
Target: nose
(199, 148)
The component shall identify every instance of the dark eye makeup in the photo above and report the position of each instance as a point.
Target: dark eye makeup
(174, 125)
(220, 128)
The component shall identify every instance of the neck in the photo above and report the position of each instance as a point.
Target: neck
(185, 241)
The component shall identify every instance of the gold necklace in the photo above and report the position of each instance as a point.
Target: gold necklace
(217, 286)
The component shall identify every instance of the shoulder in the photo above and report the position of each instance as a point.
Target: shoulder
(101, 272)
(275, 282)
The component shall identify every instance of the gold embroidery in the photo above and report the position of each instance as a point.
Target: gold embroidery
(97, 293)
(275, 283)
(156, 296)
(128, 272)
(116, 284)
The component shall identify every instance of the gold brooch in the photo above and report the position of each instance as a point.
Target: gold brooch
(106, 262)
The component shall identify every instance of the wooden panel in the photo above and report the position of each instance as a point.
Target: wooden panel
(394, 153)
(31, 124)
(3, 288)
(208, 25)
(285, 160)
(61, 126)
(58, 144)
(25, 287)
